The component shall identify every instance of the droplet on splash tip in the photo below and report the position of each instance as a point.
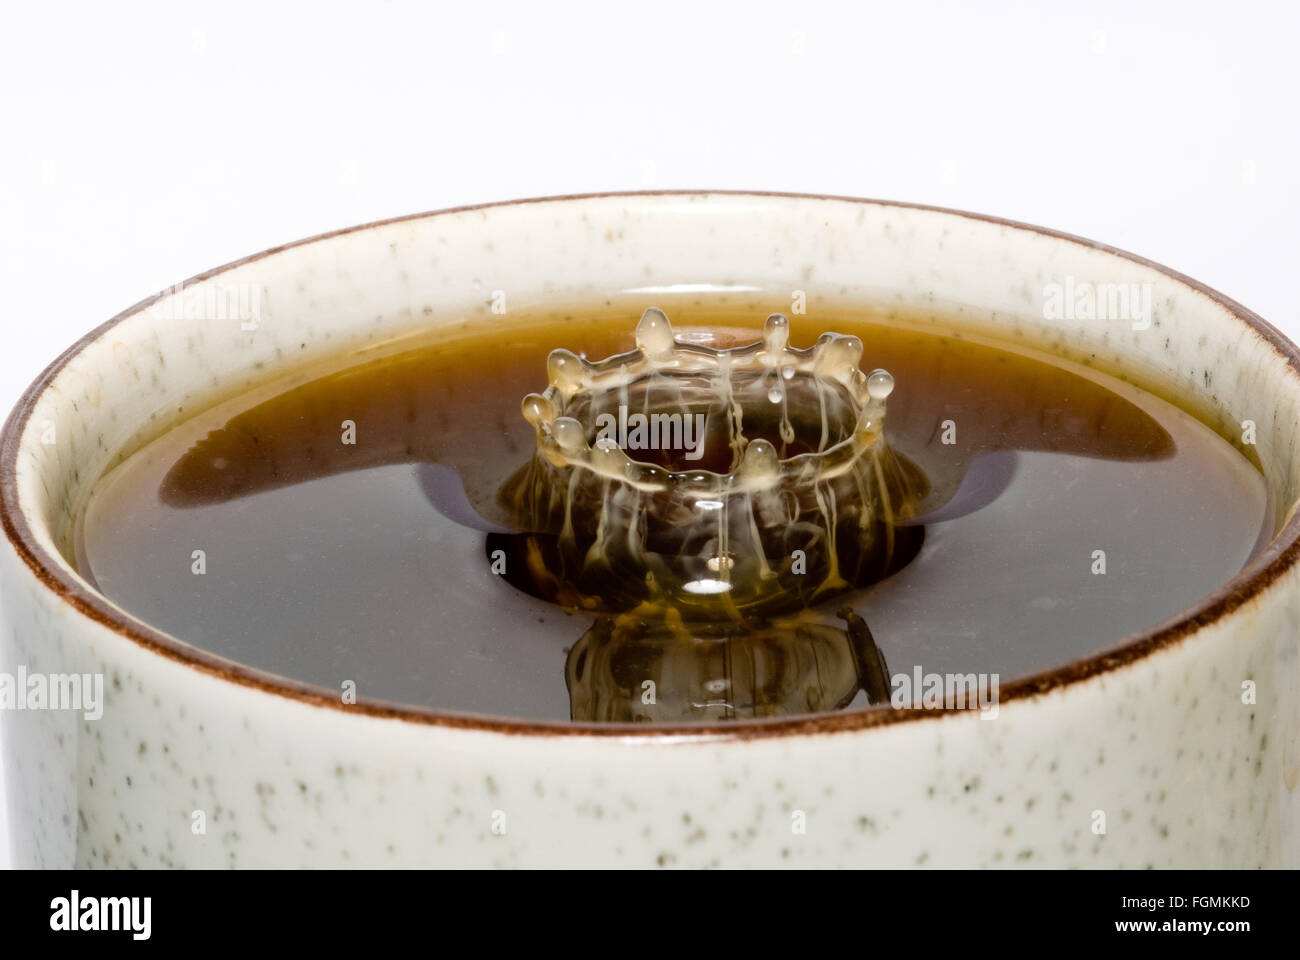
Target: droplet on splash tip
(569, 435)
(537, 409)
(760, 460)
(776, 332)
(654, 334)
(565, 371)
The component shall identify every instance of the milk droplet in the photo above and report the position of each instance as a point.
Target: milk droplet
(654, 334)
(837, 356)
(565, 371)
(608, 455)
(760, 460)
(776, 332)
(880, 384)
(774, 395)
(536, 409)
(569, 435)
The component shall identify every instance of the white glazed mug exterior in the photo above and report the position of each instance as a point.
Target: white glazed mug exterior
(1159, 736)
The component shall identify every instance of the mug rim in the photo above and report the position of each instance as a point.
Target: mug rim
(1280, 555)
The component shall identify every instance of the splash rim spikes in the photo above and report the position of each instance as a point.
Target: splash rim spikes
(562, 439)
(806, 508)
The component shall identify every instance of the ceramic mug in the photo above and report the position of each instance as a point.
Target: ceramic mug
(1185, 739)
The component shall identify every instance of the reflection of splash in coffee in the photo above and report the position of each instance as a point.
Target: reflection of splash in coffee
(627, 669)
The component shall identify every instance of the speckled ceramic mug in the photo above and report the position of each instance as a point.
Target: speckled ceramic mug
(1158, 733)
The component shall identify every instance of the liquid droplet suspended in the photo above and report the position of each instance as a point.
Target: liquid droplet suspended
(880, 384)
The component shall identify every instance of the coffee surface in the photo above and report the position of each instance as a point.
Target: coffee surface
(335, 528)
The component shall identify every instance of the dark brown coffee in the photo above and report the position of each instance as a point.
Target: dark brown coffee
(353, 526)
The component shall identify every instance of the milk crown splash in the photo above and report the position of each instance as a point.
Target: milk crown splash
(712, 480)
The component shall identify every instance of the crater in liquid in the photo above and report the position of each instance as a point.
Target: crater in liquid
(328, 562)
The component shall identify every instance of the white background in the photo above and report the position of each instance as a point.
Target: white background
(142, 143)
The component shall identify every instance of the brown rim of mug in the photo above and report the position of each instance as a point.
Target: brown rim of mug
(1269, 565)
